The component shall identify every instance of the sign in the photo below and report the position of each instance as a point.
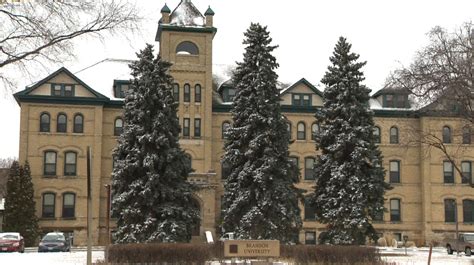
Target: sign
(251, 248)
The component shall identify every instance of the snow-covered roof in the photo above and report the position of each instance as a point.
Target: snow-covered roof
(101, 75)
(187, 15)
(2, 204)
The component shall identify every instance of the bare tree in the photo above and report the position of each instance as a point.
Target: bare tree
(441, 78)
(6, 162)
(34, 34)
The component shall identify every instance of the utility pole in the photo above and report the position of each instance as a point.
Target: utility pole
(89, 208)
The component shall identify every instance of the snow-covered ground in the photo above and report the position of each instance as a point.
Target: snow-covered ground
(414, 256)
(54, 258)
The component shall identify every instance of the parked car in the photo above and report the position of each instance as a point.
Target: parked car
(227, 236)
(465, 242)
(55, 242)
(11, 242)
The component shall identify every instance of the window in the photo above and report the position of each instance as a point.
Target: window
(448, 172)
(189, 160)
(288, 128)
(229, 94)
(48, 205)
(394, 171)
(395, 215)
(225, 128)
(49, 163)
(308, 168)
(176, 92)
(377, 137)
(118, 127)
(120, 88)
(394, 135)
(466, 168)
(395, 101)
(389, 101)
(197, 93)
(310, 238)
(69, 205)
(309, 210)
(62, 123)
(301, 133)
(187, 48)
(225, 170)
(197, 127)
(315, 130)
(468, 211)
(378, 216)
(449, 210)
(186, 127)
(70, 161)
(62, 90)
(78, 123)
(466, 135)
(446, 135)
(301, 99)
(45, 122)
(294, 160)
(187, 93)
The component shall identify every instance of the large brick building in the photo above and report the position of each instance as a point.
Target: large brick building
(66, 112)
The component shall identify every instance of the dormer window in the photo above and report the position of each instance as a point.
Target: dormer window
(229, 94)
(120, 87)
(62, 90)
(395, 101)
(301, 99)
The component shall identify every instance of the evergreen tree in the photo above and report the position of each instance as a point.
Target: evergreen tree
(349, 178)
(260, 199)
(20, 205)
(152, 198)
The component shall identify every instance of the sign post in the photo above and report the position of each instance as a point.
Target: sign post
(251, 248)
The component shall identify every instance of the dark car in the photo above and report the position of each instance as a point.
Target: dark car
(11, 242)
(54, 242)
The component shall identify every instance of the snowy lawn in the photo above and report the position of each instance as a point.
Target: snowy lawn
(53, 258)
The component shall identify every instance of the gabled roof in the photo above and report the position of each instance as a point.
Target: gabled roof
(391, 90)
(27, 90)
(306, 83)
(186, 14)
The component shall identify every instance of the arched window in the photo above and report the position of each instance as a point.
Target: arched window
(49, 203)
(308, 168)
(466, 135)
(395, 210)
(61, 123)
(225, 128)
(449, 210)
(70, 164)
(78, 123)
(69, 205)
(468, 210)
(187, 47)
(447, 135)
(197, 93)
(394, 171)
(118, 126)
(49, 167)
(45, 122)
(301, 131)
(315, 130)
(187, 93)
(377, 137)
(394, 135)
(176, 92)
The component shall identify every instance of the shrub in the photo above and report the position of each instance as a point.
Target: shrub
(325, 254)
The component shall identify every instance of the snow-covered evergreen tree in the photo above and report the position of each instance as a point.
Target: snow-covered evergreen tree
(20, 208)
(260, 199)
(152, 198)
(350, 186)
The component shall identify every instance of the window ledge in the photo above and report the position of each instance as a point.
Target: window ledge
(197, 103)
(68, 218)
(378, 222)
(396, 222)
(48, 218)
(196, 137)
(50, 176)
(70, 176)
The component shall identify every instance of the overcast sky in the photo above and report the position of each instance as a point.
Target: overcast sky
(385, 33)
